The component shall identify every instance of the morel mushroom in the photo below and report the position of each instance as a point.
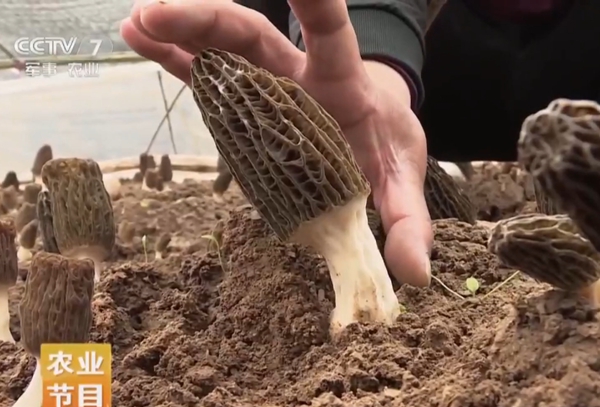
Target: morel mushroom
(126, 232)
(550, 249)
(44, 215)
(82, 214)
(444, 197)
(160, 248)
(165, 169)
(10, 199)
(11, 180)
(9, 270)
(30, 193)
(146, 162)
(56, 308)
(294, 165)
(27, 212)
(27, 239)
(152, 180)
(43, 155)
(223, 180)
(560, 147)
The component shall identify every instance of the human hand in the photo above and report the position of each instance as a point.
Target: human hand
(370, 101)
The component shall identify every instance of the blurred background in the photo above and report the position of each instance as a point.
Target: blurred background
(112, 115)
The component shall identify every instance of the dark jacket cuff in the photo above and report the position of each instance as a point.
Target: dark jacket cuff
(384, 37)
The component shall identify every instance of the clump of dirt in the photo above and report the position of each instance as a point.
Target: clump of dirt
(248, 324)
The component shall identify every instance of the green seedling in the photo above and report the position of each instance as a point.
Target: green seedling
(217, 244)
(145, 246)
(472, 285)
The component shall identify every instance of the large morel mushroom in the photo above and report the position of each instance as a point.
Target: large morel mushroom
(9, 270)
(56, 308)
(294, 165)
(82, 214)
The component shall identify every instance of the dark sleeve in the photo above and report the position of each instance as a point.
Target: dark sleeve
(389, 31)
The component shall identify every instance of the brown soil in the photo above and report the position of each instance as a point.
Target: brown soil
(250, 327)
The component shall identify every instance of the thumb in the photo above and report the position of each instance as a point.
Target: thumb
(406, 220)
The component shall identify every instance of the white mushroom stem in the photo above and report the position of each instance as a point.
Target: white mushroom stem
(32, 396)
(94, 253)
(363, 289)
(24, 254)
(592, 293)
(217, 197)
(5, 334)
(158, 256)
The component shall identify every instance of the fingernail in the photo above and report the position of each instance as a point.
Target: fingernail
(148, 3)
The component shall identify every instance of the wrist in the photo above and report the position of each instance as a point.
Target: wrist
(386, 77)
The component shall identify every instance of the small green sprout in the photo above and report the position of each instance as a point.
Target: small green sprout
(472, 285)
(144, 245)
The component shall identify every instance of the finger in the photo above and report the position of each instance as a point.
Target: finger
(228, 26)
(173, 59)
(331, 44)
(409, 235)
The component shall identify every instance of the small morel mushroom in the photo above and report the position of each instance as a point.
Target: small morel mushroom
(43, 155)
(27, 212)
(11, 180)
(56, 308)
(126, 232)
(444, 197)
(9, 270)
(27, 239)
(146, 162)
(44, 215)
(10, 198)
(560, 147)
(82, 214)
(223, 180)
(138, 177)
(30, 193)
(160, 248)
(466, 167)
(293, 164)
(165, 169)
(153, 180)
(549, 249)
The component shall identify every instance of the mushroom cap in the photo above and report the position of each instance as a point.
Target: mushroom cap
(143, 166)
(9, 264)
(82, 214)
(126, 231)
(165, 169)
(30, 193)
(43, 155)
(9, 198)
(287, 154)
(560, 147)
(28, 235)
(26, 213)
(152, 179)
(445, 198)
(57, 302)
(11, 180)
(44, 215)
(162, 242)
(548, 248)
(138, 177)
(222, 182)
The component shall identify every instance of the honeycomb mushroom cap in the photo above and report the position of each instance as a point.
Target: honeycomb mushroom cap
(44, 215)
(165, 168)
(26, 213)
(82, 213)
(9, 267)
(138, 177)
(10, 180)
(57, 302)
(9, 198)
(43, 155)
(30, 193)
(162, 242)
(223, 180)
(126, 231)
(560, 147)
(143, 166)
(28, 235)
(152, 179)
(287, 154)
(548, 248)
(445, 199)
